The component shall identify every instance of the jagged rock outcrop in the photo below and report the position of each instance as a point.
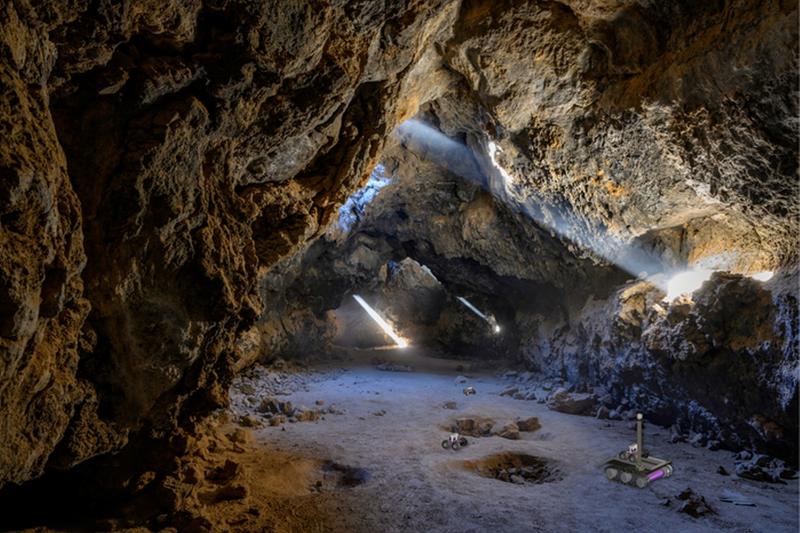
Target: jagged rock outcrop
(722, 364)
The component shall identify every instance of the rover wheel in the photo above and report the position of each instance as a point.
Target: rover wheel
(642, 481)
(611, 473)
(455, 446)
(462, 442)
(626, 477)
(446, 444)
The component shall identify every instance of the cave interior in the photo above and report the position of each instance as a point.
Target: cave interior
(399, 266)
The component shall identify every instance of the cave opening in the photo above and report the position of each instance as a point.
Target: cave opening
(399, 266)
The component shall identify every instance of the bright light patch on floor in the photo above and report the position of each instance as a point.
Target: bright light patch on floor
(763, 276)
(400, 341)
(686, 283)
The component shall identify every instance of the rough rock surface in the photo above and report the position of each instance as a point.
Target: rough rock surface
(163, 166)
(156, 159)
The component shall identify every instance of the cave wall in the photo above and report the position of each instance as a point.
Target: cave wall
(157, 159)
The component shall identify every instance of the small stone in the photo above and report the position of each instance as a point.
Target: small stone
(307, 415)
(529, 424)
(240, 436)
(519, 480)
(509, 431)
(721, 471)
(744, 455)
(231, 492)
(693, 504)
(226, 472)
(698, 440)
(509, 391)
(249, 421)
(602, 413)
(320, 402)
(473, 426)
(572, 403)
(449, 405)
(614, 415)
(460, 380)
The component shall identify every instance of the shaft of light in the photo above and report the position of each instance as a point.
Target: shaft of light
(400, 341)
(434, 145)
(472, 308)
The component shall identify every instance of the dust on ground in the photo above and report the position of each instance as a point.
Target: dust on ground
(375, 461)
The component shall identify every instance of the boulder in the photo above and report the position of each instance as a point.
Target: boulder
(529, 424)
(573, 403)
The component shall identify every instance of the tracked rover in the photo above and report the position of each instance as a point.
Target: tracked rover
(636, 467)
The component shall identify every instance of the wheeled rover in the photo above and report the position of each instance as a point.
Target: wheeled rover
(635, 466)
(454, 442)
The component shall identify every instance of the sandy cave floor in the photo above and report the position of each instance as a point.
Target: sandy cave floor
(390, 425)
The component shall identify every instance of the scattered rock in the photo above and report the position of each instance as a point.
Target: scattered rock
(602, 413)
(722, 471)
(394, 367)
(224, 473)
(698, 440)
(764, 468)
(510, 391)
(460, 380)
(320, 402)
(240, 436)
(450, 405)
(249, 421)
(693, 504)
(575, 403)
(307, 415)
(379, 413)
(473, 426)
(274, 406)
(469, 391)
(614, 415)
(529, 424)
(509, 431)
(744, 455)
(277, 420)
